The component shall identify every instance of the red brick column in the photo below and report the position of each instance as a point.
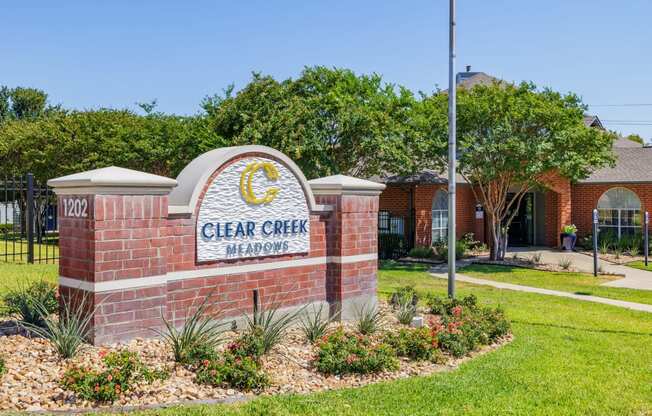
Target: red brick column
(113, 249)
(352, 245)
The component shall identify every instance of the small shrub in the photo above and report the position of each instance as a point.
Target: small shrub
(617, 253)
(340, 353)
(565, 263)
(368, 319)
(471, 242)
(536, 258)
(442, 250)
(405, 313)
(421, 252)
(121, 370)
(271, 325)
(249, 344)
(314, 325)
(200, 334)
(69, 330)
(419, 344)
(232, 370)
(604, 247)
(405, 294)
(634, 251)
(3, 366)
(444, 306)
(32, 303)
(463, 325)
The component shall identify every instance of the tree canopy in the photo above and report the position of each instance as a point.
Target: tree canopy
(75, 141)
(329, 120)
(510, 137)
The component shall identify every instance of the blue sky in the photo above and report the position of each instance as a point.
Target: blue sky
(88, 54)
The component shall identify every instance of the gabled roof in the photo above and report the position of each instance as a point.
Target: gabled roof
(593, 121)
(426, 176)
(633, 165)
(470, 79)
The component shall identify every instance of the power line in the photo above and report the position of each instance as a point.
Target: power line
(626, 121)
(629, 124)
(621, 105)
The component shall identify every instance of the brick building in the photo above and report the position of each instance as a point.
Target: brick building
(415, 208)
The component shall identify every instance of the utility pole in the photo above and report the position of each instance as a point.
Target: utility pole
(452, 90)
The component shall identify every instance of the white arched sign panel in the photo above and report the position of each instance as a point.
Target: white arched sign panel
(254, 207)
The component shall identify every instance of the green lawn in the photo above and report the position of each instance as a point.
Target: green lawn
(16, 251)
(580, 283)
(14, 275)
(568, 358)
(641, 265)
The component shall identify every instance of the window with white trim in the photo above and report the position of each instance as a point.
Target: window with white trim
(619, 211)
(440, 216)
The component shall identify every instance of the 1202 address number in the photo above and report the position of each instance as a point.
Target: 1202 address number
(75, 207)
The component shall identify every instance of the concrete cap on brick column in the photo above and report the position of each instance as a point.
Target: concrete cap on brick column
(113, 181)
(345, 185)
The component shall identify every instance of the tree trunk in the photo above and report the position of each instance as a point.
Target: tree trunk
(499, 240)
(494, 250)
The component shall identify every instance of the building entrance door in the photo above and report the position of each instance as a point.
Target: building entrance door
(521, 231)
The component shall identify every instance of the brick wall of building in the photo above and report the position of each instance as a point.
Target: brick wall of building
(585, 199)
(395, 199)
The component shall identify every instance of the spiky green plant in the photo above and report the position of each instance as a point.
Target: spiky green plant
(565, 263)
(67, 332)
(604, 247)
(536, 258)
(405, 313)
(270, 324)
(28, 302)
(201, 332)
(368, 318)
(315, 325)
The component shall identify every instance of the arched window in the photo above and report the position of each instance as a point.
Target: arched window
(439, 216)
(619, 211)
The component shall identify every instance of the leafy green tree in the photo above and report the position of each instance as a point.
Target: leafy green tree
(64, 143)
(28, 102)
(510, 138)
(328, 120)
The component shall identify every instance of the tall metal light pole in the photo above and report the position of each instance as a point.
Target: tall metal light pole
(452, 88)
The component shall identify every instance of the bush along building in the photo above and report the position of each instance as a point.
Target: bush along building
(413, 209)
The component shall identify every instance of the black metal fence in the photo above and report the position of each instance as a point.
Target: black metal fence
(395, 236)
(28, 221)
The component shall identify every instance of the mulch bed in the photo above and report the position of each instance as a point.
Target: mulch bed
(31, 382)
(527, 264)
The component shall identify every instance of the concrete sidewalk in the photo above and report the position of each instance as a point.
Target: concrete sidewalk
(634, 278)
(520, 288)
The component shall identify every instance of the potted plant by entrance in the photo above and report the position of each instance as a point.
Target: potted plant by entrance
(568, 237)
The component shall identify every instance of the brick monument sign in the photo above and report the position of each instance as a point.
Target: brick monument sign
(236, 221)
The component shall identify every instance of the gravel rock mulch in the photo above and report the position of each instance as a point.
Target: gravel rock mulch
(612, 258)
(31, 382)
(529, 264)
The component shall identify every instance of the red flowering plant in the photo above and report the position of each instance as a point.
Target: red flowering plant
(121, 370)
(342, 353)
(420, 344)
(463, 325)
(238, 366)
(232, 369)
